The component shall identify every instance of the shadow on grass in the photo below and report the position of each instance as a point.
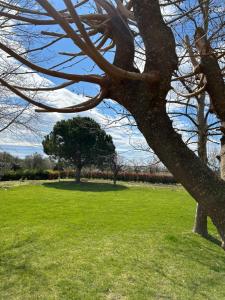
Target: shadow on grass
(85, 186)
(16, 263)
(188, 249)
(213, 239)
(193, 247)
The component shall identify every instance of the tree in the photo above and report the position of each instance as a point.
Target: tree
(14, 113)
(37, 162)
(154, 31)
(197, 109)
(80, 141)
(9, 162)
(116, 164)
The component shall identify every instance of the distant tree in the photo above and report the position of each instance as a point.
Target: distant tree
(116, 165)
(37, 162)
(14, 114)
(80, 141)
(9, 162)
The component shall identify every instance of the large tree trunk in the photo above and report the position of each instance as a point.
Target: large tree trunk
(200, 224)
(146, 102)
(201, 182)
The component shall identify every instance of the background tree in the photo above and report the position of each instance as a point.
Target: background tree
(15, 115)
(9, 162)
(155, 31)
(80, 141)
(116, 164)
(37, 162)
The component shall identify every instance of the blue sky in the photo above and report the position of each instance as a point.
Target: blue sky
(23, 142)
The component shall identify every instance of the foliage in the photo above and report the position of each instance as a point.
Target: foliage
(25, 175)
(33, 162)
(8, 162)
(37, 162)
(80, 141)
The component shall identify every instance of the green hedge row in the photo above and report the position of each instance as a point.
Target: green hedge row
(35, 175)
(51, 175)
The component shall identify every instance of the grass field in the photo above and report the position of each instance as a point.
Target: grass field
(96, 241)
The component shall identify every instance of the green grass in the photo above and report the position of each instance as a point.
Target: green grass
(97, 241)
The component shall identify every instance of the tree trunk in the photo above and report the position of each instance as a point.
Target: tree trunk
(200, 225)
(147, 103)
(222, 156)
(115, 173)
(201, 182)
(78, 174)
(218, 219)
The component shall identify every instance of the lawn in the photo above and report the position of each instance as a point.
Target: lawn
(96, 241)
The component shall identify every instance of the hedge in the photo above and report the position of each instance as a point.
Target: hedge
(123, 176)
(129, 176)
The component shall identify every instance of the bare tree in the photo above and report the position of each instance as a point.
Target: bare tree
(14, 113)
(155, 31)
(116, 165)
(197, 108)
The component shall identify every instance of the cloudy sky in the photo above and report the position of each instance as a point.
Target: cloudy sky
(127, 138)
(22, 142)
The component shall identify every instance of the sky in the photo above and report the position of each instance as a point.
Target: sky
(22, 142)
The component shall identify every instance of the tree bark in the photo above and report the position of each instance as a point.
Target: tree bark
(114, 179)
(197, 178)
(222, 155)
(78, 174)
(203, 185)
(200, 224)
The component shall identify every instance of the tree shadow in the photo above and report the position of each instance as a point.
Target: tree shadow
(85, 186)
(16, 261)
(186, 249)
(191, 248)
(213, 239)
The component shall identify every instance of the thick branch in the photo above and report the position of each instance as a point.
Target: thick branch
(70, 109)
(209, 66)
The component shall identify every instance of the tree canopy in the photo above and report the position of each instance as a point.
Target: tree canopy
(80, 141)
